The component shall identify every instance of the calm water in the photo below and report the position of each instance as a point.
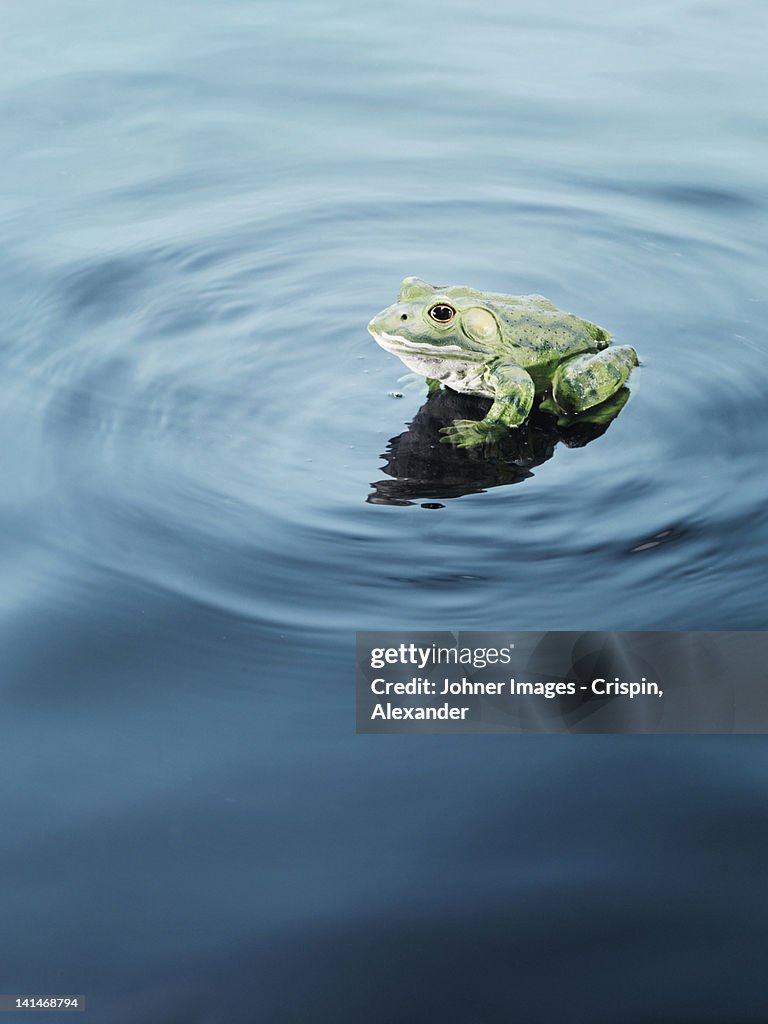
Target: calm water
(208, 487)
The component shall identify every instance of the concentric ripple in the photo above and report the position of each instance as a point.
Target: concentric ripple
(214, 406)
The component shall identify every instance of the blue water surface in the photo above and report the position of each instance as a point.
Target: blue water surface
(208, 487)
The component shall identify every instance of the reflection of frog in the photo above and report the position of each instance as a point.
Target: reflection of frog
(503, 347)
(421, 470)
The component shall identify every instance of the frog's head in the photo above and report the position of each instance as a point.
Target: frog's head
(428, 321)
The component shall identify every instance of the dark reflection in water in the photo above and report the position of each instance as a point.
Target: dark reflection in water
(423, 466)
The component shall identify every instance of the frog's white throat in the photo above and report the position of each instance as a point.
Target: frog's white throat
(399, 345)
(438, 363)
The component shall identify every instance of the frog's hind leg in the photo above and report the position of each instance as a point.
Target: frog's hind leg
(590, 379)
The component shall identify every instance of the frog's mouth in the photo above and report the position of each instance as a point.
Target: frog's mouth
(396, 343)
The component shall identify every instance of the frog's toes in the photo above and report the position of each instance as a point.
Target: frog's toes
(469, 433)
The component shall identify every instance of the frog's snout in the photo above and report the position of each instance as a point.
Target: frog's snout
(377, 325)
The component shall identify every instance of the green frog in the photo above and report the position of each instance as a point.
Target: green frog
(507, 348)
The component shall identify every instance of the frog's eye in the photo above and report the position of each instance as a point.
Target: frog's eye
(442, 314)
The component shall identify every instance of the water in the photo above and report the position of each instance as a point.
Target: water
(202, 206)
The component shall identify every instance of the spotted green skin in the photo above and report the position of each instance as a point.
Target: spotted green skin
(508, 348)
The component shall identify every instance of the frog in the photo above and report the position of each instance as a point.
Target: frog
(509, 348)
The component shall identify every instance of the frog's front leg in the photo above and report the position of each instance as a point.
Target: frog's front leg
(513, 391)
(589, 379)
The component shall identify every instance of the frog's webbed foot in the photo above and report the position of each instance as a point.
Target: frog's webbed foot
(587, 380)
(470, 433)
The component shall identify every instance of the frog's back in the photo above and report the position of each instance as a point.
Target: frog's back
(535, 332)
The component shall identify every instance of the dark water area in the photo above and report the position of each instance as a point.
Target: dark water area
(208, 487)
